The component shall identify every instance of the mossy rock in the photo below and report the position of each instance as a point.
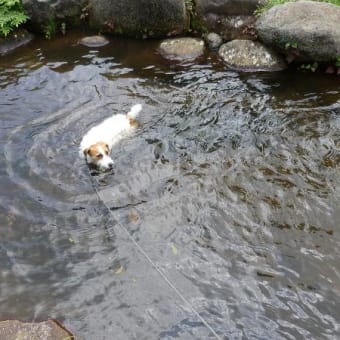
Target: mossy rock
(139, 18)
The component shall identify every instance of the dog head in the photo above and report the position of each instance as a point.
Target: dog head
(98, 155)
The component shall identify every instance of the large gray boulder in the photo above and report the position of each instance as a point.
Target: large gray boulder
(153, 18)
(247, 55)
(232, 19)
(46, 16)
(311, 28)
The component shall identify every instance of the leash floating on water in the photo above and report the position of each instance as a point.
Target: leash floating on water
(152, 263)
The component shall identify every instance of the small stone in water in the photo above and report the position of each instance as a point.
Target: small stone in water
(213, 40)
(94, 41)
(181, 48)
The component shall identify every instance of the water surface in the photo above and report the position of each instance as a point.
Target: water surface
(231, 188)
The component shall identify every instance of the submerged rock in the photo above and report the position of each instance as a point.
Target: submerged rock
(247, 55)
(182, 48)
(94, 41)
(139, 17)
(14, 40)
(47, 330)
(312, 28)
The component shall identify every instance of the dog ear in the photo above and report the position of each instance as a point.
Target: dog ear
(86, 151)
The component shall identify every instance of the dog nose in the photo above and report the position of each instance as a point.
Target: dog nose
(110, 165)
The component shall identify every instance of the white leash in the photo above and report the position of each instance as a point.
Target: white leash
(154, 265)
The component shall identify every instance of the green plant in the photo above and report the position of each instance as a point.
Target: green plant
(289, 45)
(334, 2)
(63, 28)
(310, 67)
(195, 23)
(50, 28)
(337, 61)
(11, 16)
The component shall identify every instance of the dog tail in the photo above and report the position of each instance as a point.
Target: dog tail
(134, 111)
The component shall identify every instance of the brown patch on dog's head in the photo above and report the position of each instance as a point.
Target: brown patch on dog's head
(97, 151)
(98, 154)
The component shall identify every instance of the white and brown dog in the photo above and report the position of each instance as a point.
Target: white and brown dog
(97, 143)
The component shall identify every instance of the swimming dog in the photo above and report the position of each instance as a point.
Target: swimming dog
(98, 141)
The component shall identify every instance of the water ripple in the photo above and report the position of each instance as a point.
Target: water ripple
(231, 186)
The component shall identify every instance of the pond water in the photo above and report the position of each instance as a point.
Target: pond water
(231, 188)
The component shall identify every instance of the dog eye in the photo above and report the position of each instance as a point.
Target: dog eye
(99, 156)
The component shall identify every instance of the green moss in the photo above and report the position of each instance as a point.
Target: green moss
(337, 61)
(50, 29)
(195, 23)
(334, 2)
(312, 67)
(118, 30)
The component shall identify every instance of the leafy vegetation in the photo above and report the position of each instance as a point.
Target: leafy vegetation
(271, 3)
(11, 16)
(337, 62)
(334, 2)
(195, 23)
(50, 29)
(289, 45)
(310, 67)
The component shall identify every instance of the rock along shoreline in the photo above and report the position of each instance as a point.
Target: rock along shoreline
(303, 31)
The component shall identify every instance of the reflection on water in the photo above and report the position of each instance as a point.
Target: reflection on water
(231, 187)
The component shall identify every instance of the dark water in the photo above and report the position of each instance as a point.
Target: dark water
(231, 187)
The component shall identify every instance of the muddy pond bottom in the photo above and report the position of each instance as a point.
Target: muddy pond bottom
(220, 219)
